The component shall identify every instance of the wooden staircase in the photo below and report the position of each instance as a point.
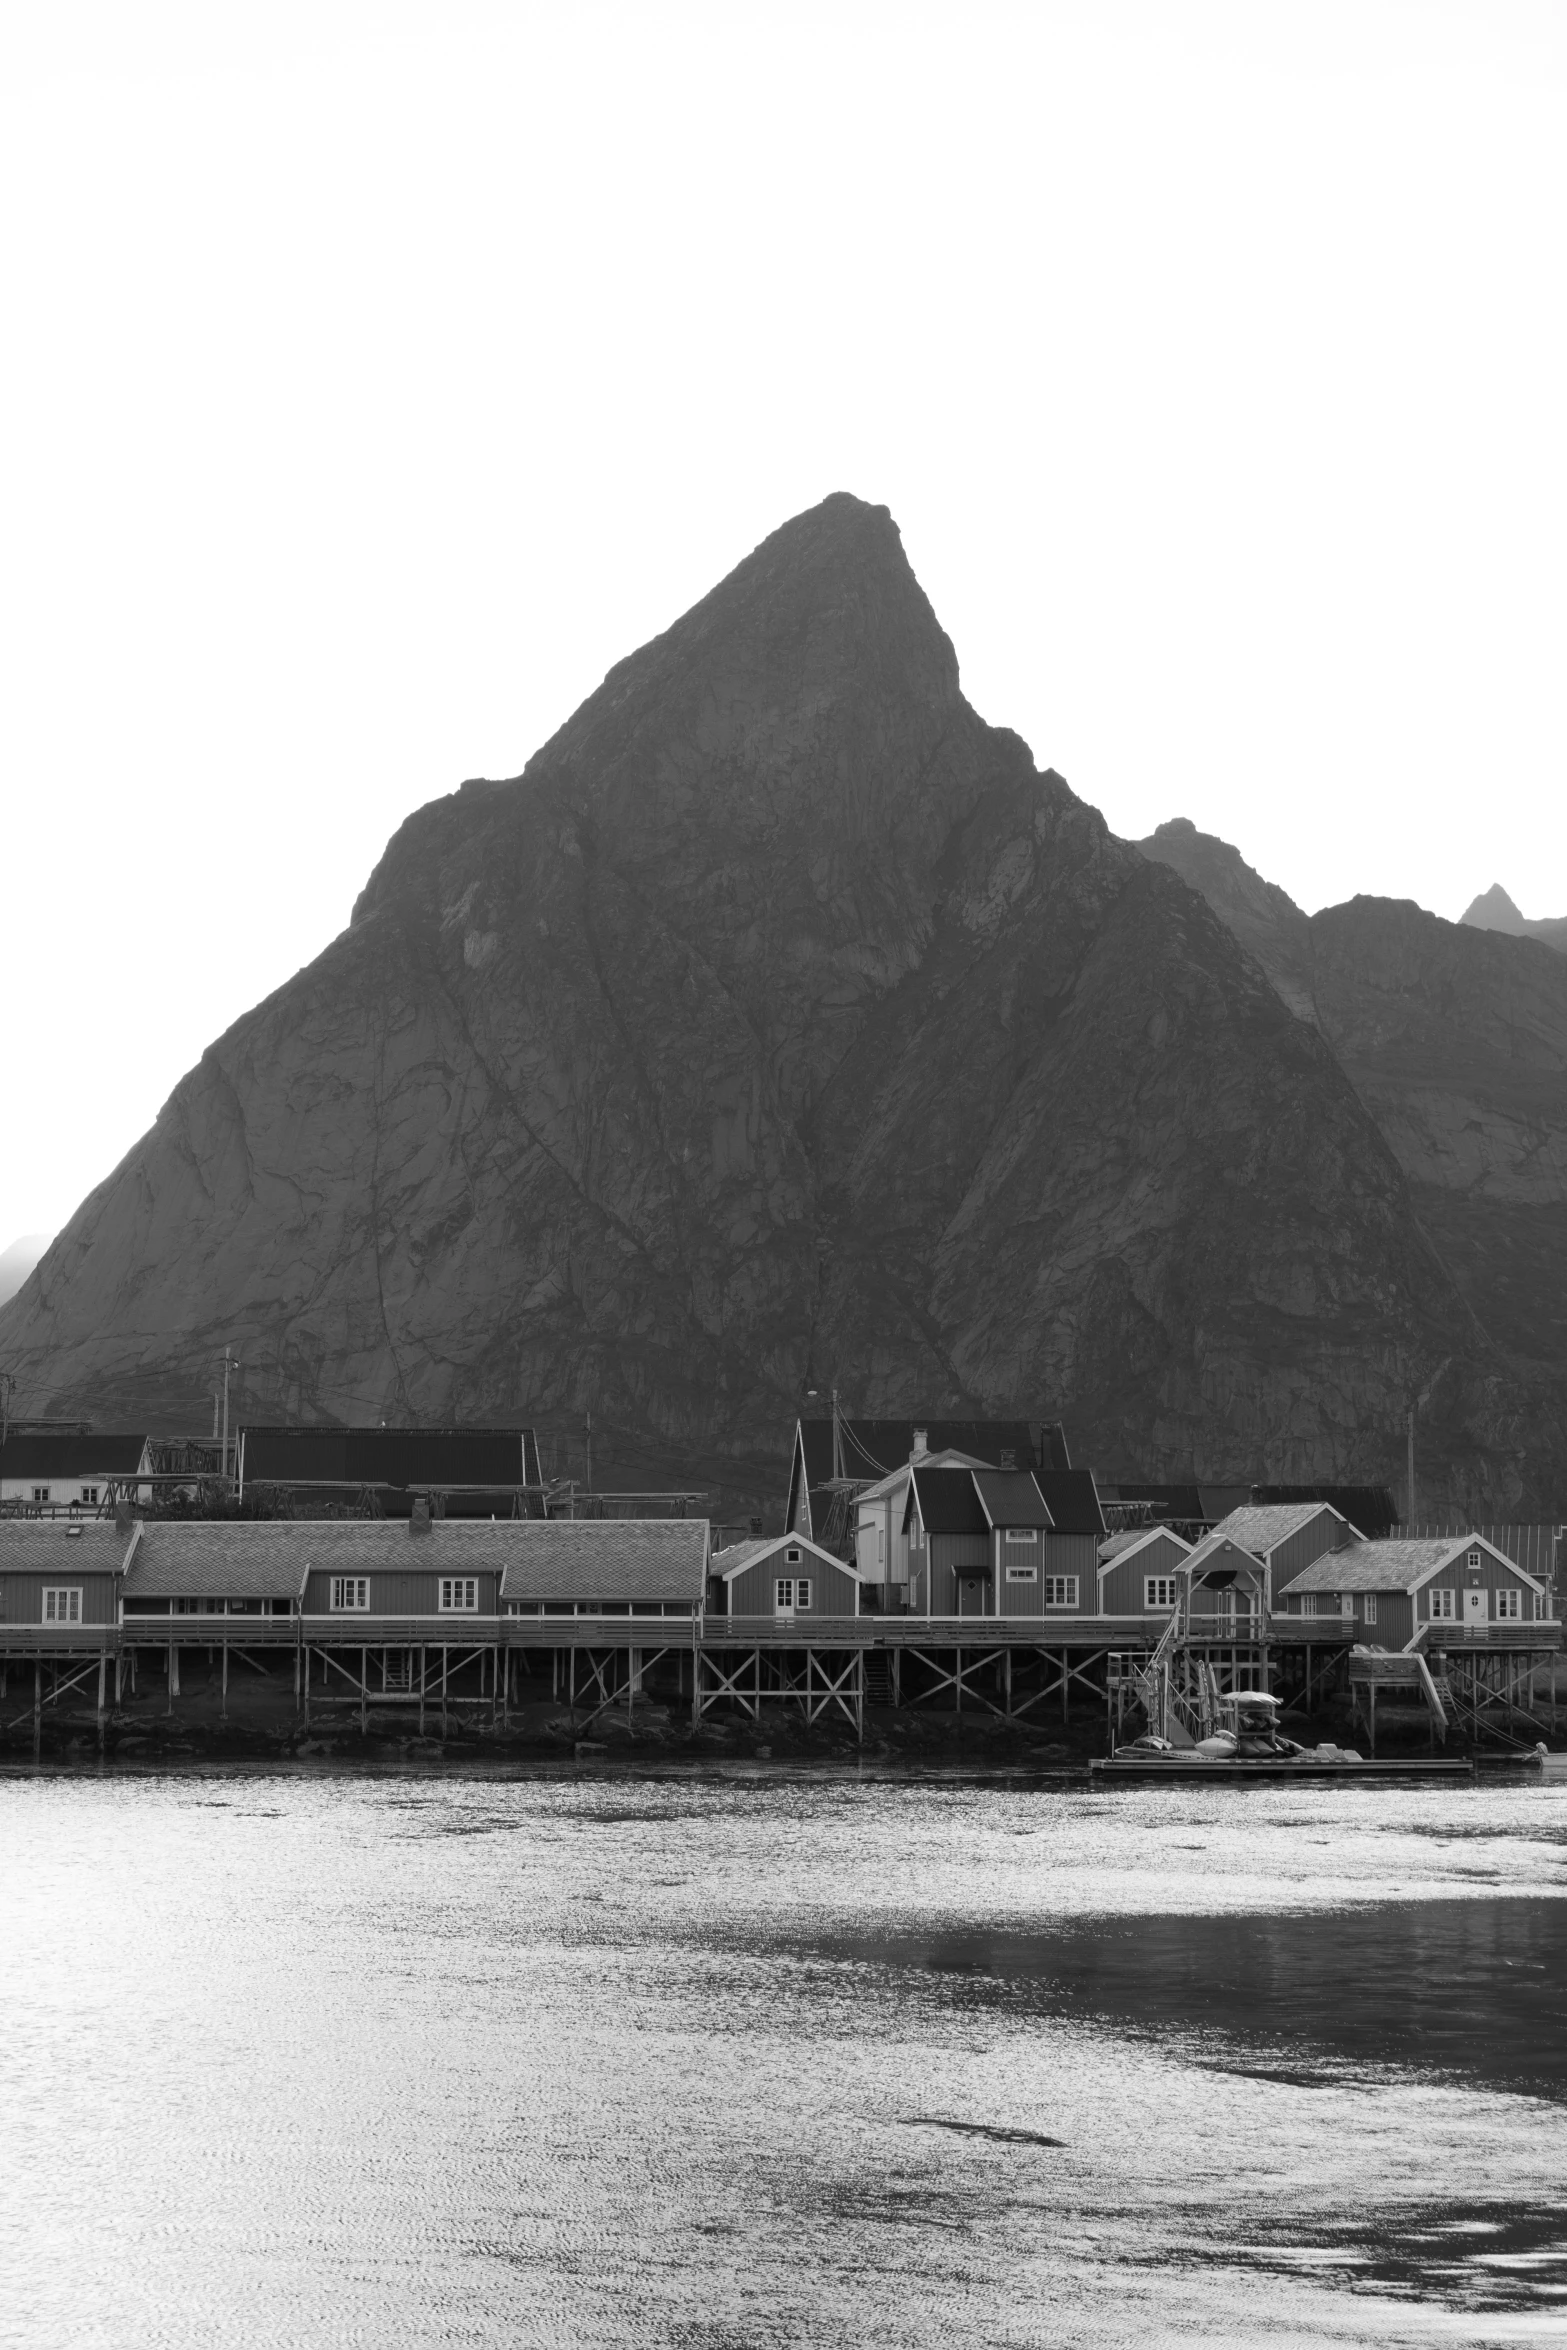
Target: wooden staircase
(878, 1677)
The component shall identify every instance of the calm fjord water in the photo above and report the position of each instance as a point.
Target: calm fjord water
(727, 2060)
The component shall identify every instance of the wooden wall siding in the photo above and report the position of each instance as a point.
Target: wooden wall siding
(1122, 1587)
(22, 1594)
(833, 1591)
(404, 1591)
(1495, 1575)
(1072, 1554)
(949, 1555)
(1323, 1532)
(1021, 1599)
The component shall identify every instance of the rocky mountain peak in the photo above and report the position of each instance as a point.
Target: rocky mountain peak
(1494, 910)
(780, 1026)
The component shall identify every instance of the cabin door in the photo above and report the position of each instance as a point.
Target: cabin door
(1474, 1606)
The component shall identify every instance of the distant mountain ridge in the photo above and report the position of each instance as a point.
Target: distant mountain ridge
(1455, 1037)
(1494, 910)
(782, 1027)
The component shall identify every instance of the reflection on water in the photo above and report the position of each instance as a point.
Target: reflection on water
(724, 2060)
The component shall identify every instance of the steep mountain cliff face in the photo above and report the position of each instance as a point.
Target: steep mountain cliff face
(1455, 1037)
(782, 1026)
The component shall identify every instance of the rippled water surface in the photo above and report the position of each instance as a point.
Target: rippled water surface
(723, 2060)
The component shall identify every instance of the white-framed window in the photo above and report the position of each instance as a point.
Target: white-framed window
(40, 1493)
(1509, 1606)
(200, 1605)
(791, 1593)
(1060, 1591)
(1023, 1534)
(1021, 1571)
(1307, 1603)
(1443, 1609)
(1369, 1607)
(459, 1595)
(350, 1595)
(1473, 1562)
(90, 1496)
(62, 1607)
(792, 1555)
(1158, 1591)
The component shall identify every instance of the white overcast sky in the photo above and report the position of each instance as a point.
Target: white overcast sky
(376, 376)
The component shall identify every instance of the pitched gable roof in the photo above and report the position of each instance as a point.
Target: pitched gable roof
(1010, 1498)
(1072, 1498)
(1219, 1550)
(218, 1559)
(43, 1546)
(1400, 1564)
(602, 1558)
(1123, 1546)
(739, 1555)
(1261, 1526)
(948, 1503)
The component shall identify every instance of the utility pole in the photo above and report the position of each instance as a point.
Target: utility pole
(837, 1439)
(1411, 1467)
(590, 1453)
(7, 1390)
(230, 1363)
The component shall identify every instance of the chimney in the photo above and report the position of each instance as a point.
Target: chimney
(419, 1517)
(921, 1446)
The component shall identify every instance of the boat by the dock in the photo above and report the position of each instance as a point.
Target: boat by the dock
(1249, 1745)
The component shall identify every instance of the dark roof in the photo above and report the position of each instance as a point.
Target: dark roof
(1370, 1509)
(1171, 1504)
(109, 1453)
(1010, 1499)
(46, 1546)
(874, 1448)
(948, 1501)
(601, 1558)
(1072, 1500)
(396, 1457)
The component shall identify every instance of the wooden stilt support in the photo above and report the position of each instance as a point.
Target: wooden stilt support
(364, 1691)
(38, 1709)
(1066, 1683)
(223, 1696)
(103, 1675)
(445, 1665)
(423, 1653)
(1006, 1681)
(174, 1674)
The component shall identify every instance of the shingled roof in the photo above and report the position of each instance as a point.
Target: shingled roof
(40, 1546)
(1396, 1565)
(612, 1559)
(1261, 1526)
(220, 1559)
